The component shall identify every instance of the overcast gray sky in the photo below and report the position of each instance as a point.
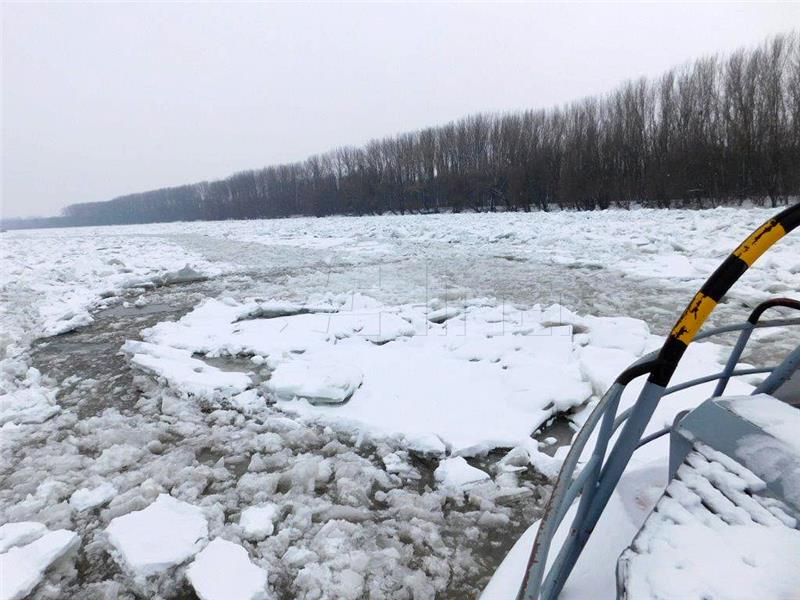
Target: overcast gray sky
(103, 100)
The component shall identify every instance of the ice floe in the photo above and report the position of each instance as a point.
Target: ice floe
(316, 381)
(28, 551)
(28, 405)
(479, 380)
(257, 522)
(163, 535)
(456, 472)
(183, 372)
(223, 571)
(85, 498)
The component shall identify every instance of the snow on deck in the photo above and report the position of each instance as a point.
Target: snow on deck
(713, 536)
(779, 419)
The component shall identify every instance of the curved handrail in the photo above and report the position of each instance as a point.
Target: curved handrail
(601, 478)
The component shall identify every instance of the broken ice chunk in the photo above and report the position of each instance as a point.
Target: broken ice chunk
(444, 314)
(397, 462)
(426, 444)
(257, 522)
(23, 567)
(27, 405)
(183, 372)
(223, 571)
(162, 535)
(456, 472)
(319, 382)
(185, 275)
(249, 402)
(17, 534)
(84, 498)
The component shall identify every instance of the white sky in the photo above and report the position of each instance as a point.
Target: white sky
(104, 100)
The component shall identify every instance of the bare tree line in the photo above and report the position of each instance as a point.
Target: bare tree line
(718, 130)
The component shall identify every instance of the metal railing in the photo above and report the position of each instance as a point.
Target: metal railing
(600, 474)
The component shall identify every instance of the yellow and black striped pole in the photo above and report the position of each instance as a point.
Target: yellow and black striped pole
(716, 287)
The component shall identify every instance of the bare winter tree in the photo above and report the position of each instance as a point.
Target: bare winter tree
(714, 131)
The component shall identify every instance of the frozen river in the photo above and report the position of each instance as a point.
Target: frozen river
(335, 373)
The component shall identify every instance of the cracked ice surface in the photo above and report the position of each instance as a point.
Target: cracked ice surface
(485, 378)
(357, 509)
(50, 283)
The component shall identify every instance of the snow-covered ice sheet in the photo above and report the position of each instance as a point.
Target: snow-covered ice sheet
(486, 377)
(163, 535)
(479, 380)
